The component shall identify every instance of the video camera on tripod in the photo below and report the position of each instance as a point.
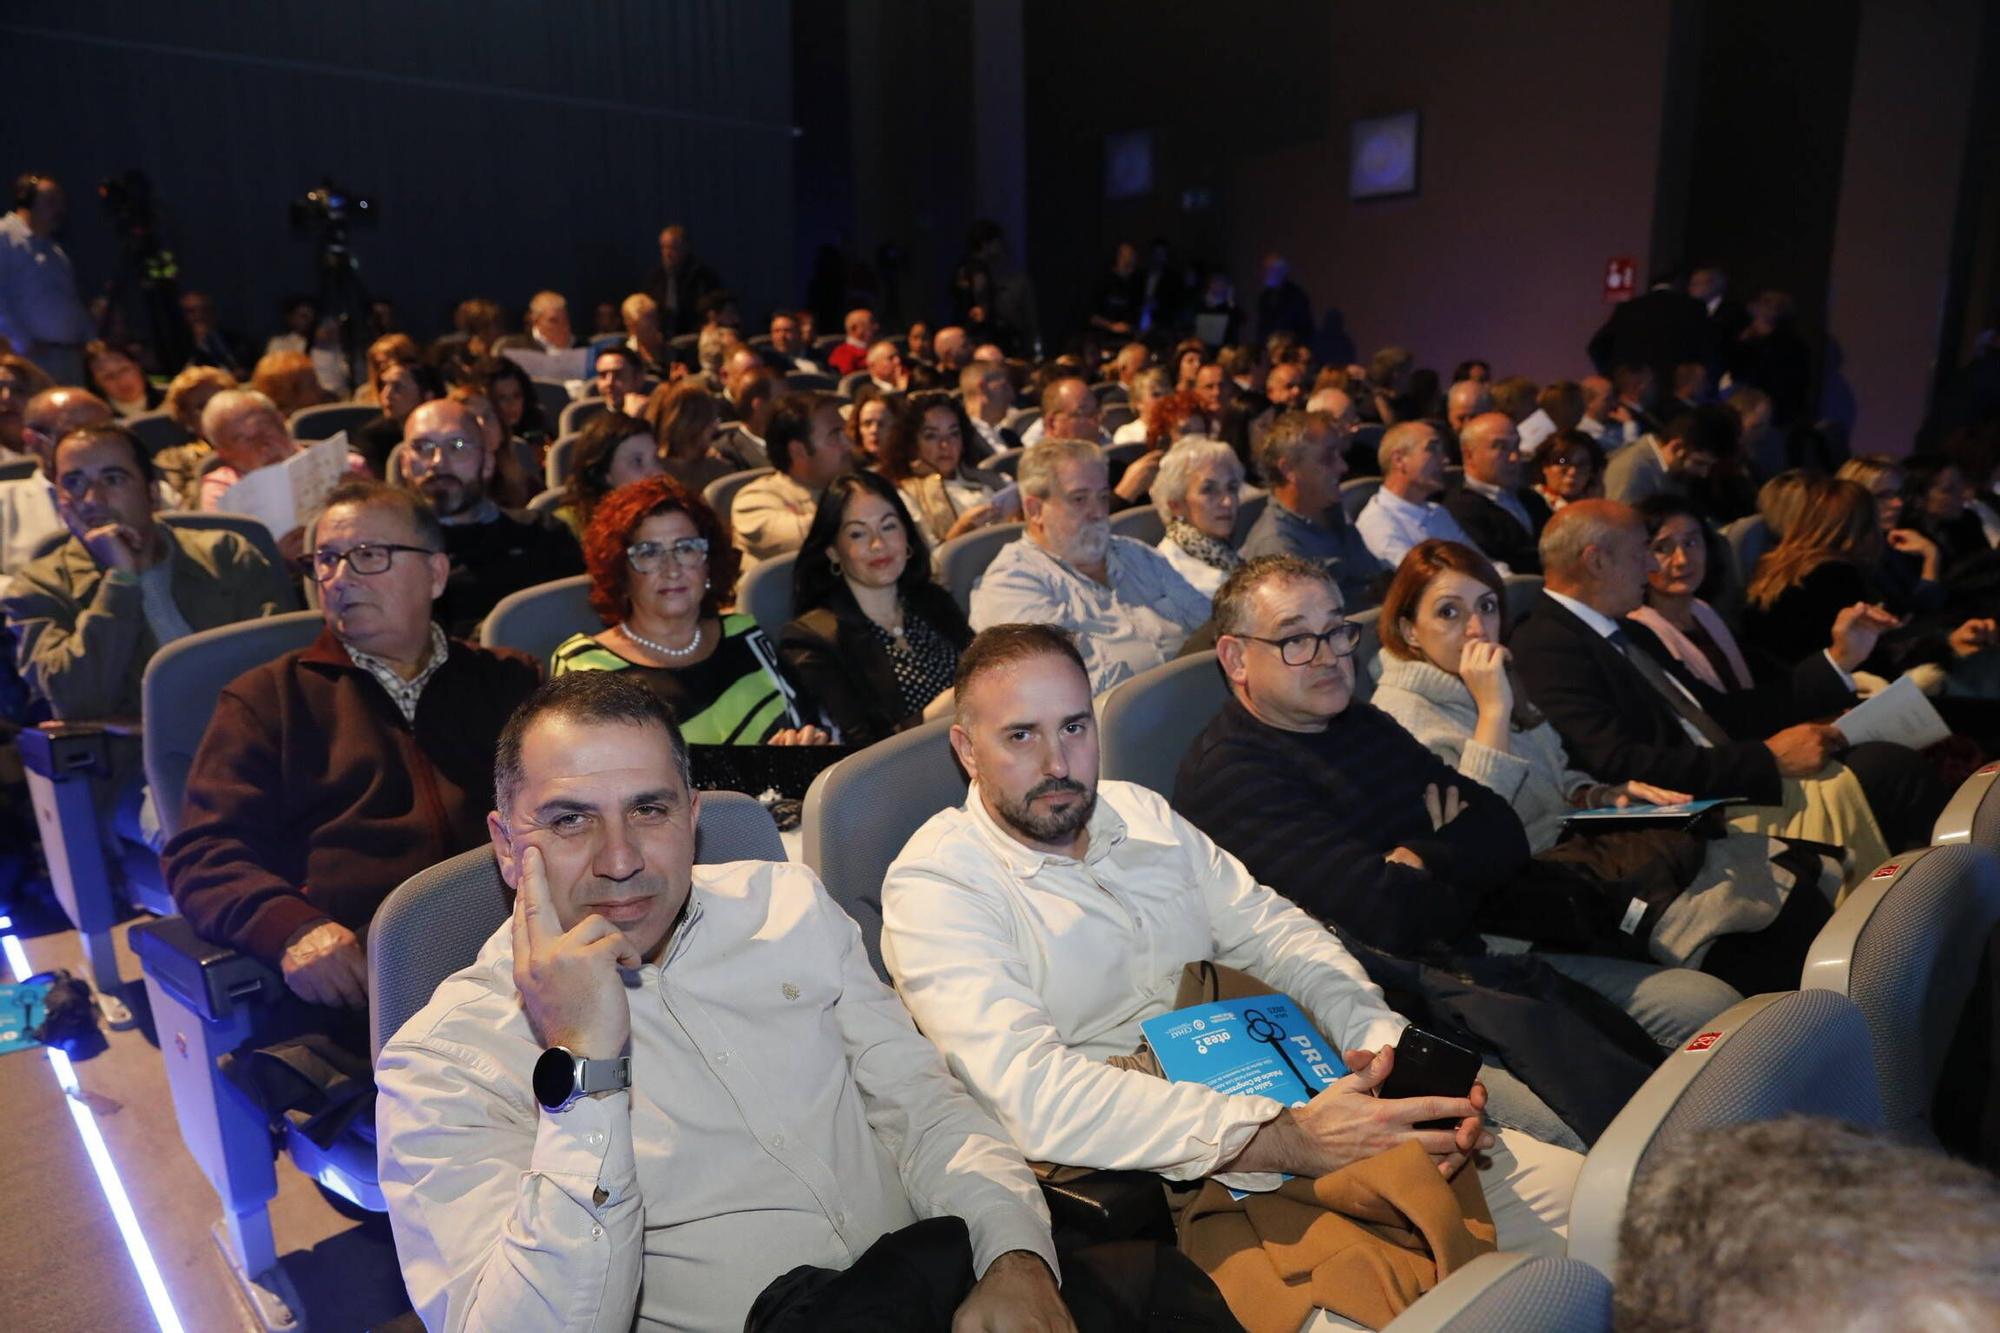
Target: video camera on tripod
(329, 211)
(325, 215)
(143, 263)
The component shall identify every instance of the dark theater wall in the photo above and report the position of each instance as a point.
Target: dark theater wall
(512, 145)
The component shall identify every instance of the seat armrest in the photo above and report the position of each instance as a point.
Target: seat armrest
(63, 749)
(213, 980)
(1110, 1205)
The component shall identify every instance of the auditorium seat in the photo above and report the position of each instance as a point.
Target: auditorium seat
(1356, 492)
(721, 493)
(825, 343)
(157, 431)
(1367, 653)
(1749, 538)
(1021, 418)
(1107, 392)
(18, 469)
(1117, 414)
(860, 812)
(1973, 813)
(547, 502)
(436, 921)
(1765, 1057)
(535, 620)
(1142, 523)
(804, 381)
(1146, 724)
(1513, 1293)
(851, 381)
(1248, 510)
(765, 592)
(1124, 455)
(1905, 947)
(962, 560)
(553, 396)
(579, 414)
(1520, 595)
(559, 462)
(1007, 462)
(329, 419)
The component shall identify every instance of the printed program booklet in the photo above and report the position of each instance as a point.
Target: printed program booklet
(1607, 818)
(1260, 1045)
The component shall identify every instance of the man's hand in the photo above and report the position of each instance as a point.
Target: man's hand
(1803, 750)
(1855, 631)
(325, 964)
(1403, 856)
(1442, 810)
(1974, 636)
(1483, 668)
(1139, 474)
(1639, 793)
(1017, 1295)
(800, 736)
(569, 981)
(115, 547)
(1348, 1122)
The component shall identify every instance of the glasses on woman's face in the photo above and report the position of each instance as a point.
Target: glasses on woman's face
(1297, 650)
(645, 557)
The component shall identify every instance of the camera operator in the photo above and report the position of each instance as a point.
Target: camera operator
(40, 311)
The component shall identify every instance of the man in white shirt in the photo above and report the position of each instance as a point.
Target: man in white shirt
(808, 446)
(885, 368)
(41, 316)
(1148, 387)
(788, 347)
(662, 1087)
(28, 516)
(1033, 929)
(988, 394)
(1125, 601)
(1405, 511)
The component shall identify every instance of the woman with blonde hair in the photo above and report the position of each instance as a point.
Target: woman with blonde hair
(1820, 568)
(180, 465)
(683, 417)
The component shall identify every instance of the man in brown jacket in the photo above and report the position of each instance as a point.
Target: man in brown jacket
(331, 775)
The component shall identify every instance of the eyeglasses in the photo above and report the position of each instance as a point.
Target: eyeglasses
(430, 451)
(646, 556)
(1297, 650)
(366, 558)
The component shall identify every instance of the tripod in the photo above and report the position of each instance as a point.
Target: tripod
(342, 293)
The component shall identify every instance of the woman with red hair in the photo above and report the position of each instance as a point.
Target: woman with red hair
(661, 570)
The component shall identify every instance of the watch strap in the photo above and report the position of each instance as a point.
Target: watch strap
(604, 1075)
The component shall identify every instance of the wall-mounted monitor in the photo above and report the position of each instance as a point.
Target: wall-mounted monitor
(1128, 164)
(1384, 158)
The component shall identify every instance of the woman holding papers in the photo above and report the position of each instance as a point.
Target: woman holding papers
(1448, 680)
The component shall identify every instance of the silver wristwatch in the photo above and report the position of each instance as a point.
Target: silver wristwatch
(562, 1076)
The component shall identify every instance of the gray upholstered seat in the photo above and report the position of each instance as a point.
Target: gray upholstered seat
(329, 419)
(962, 560)
(1513, 1293)
(765, 592)
(434, 923)
(1905, 947)
(579, 413)
(1142, 523)
(1973, 813)
(1768, 1056)
(249, 529)
(559, 462)
(535, 620)
(180, 687)
(157, 430)
(1356, 492)
(860, 812)
(547, 502)
(721, 493)
(1367, 653)
(1521, 590)
(1146, 724)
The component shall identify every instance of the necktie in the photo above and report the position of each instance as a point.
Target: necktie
(1682, 703)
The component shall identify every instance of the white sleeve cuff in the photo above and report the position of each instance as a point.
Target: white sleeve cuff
(588, 1148)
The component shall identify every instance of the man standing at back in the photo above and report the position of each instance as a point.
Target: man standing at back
(41, 315)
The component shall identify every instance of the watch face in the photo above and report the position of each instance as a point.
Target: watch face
(555, 1077)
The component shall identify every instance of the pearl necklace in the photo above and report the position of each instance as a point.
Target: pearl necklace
(660, 649)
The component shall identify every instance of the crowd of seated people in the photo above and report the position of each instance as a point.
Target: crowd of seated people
(1400, 860)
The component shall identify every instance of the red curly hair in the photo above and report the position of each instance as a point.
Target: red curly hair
(619, 515)
(1164, 417)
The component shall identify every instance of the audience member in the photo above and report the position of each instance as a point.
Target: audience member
(872, 638)
(613, 450)
(683, 418)
(1284, 391)
(385, 351)
(42, 318)
(116, 377)
(1190, 355)
(952, 351)
(1465, 400)
(885, 368)
(1302, 465)
(1723, 1231)
(548, 326)
(29, 520)
(400, 388)
(1120, 293)
(619, 377)
(328, 777)
(517, 469)
(20, 380)
(870, 414)
(209, 343)
(988, 394)
(1281, 303)
(247, 432)
(1692, 631)
(808, 447)
(639, 316)
(1910, 574)
(684, 1188)
(1123, 598)
(790, 353)
(917, 343)
(490, 552)
(289, 380)
(1149, 387)
(1197, 493)
(1571, 468)
(1686, 451)
(1503, 517)
(999, 916)
(1405, 510)
(1600, 420)
(661, 570)
(1771, 355)
(1661, 329)
(515, 400)
(924, 455)
(679, 283)
(861, 329)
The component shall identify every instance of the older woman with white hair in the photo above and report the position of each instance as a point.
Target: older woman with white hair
(1198, 491)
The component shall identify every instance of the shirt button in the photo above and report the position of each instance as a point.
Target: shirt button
(777, 1140)
(594, 1139)
(722, 1057)
(597, 1233)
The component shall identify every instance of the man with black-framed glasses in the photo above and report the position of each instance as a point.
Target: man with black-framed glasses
(328, 777)
(492, 551)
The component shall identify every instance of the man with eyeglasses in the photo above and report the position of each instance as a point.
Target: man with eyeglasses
(492, 551)
(328, 777)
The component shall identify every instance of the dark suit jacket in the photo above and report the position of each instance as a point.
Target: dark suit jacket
(1661, 329)
(831, 652)
(1498, 533)
(1616, 726)
(697, 280)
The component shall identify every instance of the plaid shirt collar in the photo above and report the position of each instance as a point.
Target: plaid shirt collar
(405, 693)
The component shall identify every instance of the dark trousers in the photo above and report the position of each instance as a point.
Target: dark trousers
(913, 1280)
(1903, 790)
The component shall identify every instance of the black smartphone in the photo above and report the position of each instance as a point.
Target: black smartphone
(1427, 1065)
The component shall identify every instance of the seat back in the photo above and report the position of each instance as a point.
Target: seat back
(18, 469)
(1108, 391)
(1905, 947)
(1006, 462)
(1520, 590)
(721, 493)
(765, 592)
(1122, 455)
(1513, 1292)
(860, 812)
(1749, 538)
(180, 687)
(1249, 510)
(851, 381)
(553, 397)
(157, 431)
(1356, 492)
(547, 502)
(1973, 813)
(579, 414)
(1021, 418)
(1146, 724)
(329, 419)
(1367, 653)
(535, 620)
(1765, 1057)
(803, 381)
(1115, 415)
(559, 462)
(1142, 523)
(962, 560)
(437, 920)
(249, 529)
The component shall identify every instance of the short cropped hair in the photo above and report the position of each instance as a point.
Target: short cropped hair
(180, 394)
(791, 423)
(1578, 526)
(1280, 448)
(1233, 598)
(1399, 439)
(364, 493)
(1003, 645)
(583, 696)
(1178, 467)
(1052, 392)
(1037, 472)
(142, 461)
(1807, 1223)
(229, 403)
